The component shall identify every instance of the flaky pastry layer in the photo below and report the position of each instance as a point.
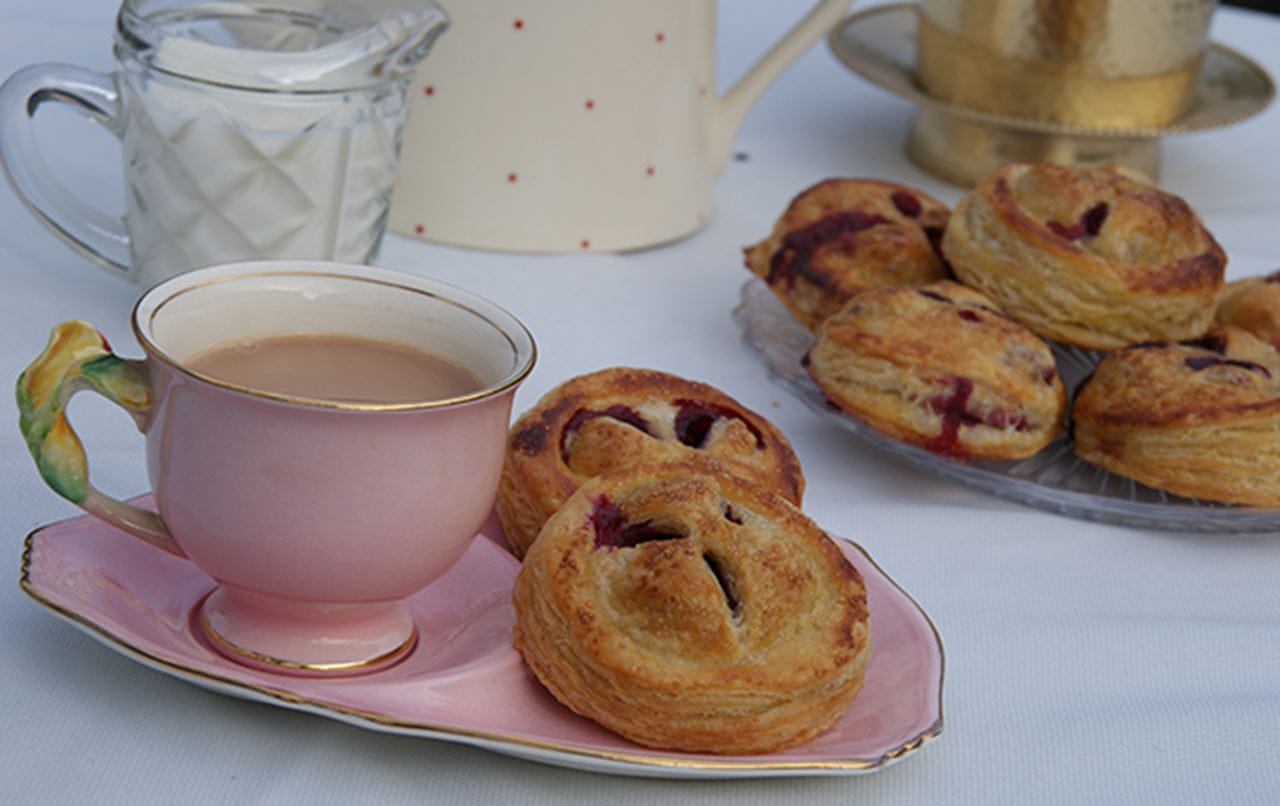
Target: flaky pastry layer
(843, 236)
(941, 367)
(1199, 419)
(622, 416)
(1253, 305)
(1086, 255)
(687, 609)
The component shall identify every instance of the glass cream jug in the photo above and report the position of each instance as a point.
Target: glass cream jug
(248, 130)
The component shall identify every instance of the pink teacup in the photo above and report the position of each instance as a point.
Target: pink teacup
(316, 517)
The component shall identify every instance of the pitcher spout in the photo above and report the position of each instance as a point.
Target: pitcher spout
(281, 45)
(422, 25)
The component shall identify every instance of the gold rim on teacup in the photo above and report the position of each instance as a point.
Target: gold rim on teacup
(316, 518)
(519, 339)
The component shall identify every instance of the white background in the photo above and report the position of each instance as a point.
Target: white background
(1085, 663)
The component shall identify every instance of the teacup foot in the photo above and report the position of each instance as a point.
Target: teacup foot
(305, 638)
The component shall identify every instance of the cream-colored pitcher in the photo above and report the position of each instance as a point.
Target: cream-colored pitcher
(575, 125)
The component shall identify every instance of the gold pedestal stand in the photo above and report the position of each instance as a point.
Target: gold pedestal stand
(963, 151)
(961, 144)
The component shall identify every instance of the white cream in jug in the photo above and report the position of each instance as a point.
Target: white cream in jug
(260, 130)
(216, 177)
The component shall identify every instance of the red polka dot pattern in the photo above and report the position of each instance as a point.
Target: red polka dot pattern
(589, 104)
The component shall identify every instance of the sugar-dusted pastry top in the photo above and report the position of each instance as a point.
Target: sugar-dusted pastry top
(685, 608)
(1200, 418)
(940, 366)
(1220, 376)
(619, 417)
(1253, 305)
(842, 236)
(1086, 255)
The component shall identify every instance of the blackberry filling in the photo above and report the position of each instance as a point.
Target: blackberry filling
(1199, 362)
(1089, 225)
(954, 408)
(695, 419)
(795, 255)
(725, 582)
(906, 203)
(613, 531)
(1214, 342)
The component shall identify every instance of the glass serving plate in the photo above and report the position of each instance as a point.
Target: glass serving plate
(1055, 479)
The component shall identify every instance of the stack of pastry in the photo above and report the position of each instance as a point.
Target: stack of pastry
(1253, 305)
(672, 590)
(843, 236)
(1084, 256)
(622, 417)
(940, 366)
(1199, 418)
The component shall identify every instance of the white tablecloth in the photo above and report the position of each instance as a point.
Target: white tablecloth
(1085, 663)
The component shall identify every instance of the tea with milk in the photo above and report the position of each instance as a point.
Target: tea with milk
(337, 368)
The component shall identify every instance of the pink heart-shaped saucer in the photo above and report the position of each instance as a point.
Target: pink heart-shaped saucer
(464, 682)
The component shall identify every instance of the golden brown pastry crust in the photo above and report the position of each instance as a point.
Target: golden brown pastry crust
(618, 417)
(1086, 255)
(1253, 305)
(684, 608)
(843, 236)
(1200, 419)
(940, 367)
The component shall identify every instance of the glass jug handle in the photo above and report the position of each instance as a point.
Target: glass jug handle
(88, 230)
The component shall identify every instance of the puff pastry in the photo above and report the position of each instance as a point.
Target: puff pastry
(1086, 255)
(1253, 305)
(622, 416)
(687, 609)
(843, 236)
(1200, 418)
(940, 366)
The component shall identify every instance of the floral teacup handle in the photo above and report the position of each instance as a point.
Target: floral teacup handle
(78, 357)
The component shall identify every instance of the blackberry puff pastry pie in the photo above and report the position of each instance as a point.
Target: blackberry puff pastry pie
(1253, 304)
(940, 367)
(843, 236)
(1199, 418)
(684, 608)
(1086, 255)
(619, 417)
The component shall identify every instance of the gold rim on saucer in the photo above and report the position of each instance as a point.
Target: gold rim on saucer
(560, 752)
(961, 144)
(249, 657)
